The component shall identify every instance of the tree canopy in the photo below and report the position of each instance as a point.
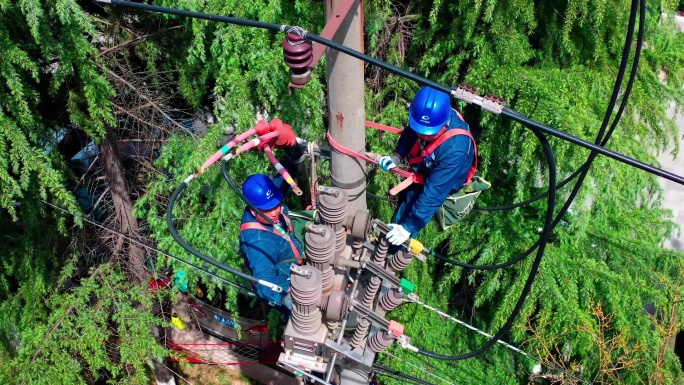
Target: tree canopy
(554, 61)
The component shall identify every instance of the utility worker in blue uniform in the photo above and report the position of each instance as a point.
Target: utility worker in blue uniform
(445, 166)
(268, 250)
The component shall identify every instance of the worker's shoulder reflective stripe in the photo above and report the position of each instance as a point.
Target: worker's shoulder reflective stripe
(417, 158)
(259, 226)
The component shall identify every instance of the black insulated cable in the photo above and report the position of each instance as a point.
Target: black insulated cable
(585, 168)
(506, 112)
(192, 250)
(148, 246)
(546, 234)
(384, 370)
(602, 141)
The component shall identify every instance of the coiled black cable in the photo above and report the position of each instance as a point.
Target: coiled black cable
(582, 171)
(616, 88)
(546, 234)
(397, 374)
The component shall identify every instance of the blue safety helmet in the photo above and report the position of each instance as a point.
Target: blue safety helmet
(260, 190)
(429, 111)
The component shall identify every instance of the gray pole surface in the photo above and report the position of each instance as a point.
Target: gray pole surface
(347, 117)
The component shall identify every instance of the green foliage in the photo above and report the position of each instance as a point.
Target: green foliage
(249, 76)
(92, 332)
(554, 62)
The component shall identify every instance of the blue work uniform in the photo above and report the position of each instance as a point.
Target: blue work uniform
(264, 252)
(444, 171)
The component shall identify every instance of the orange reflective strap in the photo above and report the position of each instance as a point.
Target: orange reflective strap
(259, 226)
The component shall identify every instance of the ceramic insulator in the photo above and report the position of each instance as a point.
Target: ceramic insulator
(399, 261)
(360, 333)
(381, 252)
(391, 300)
(371, 291)
(379, 342)
(332, 209)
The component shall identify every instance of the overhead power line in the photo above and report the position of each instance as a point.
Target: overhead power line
(151, 247)
(473, 328)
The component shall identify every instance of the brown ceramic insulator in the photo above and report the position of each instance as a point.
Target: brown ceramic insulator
(391, 300)
(360, 332)
(306, 291)
(379, 342)
(399, 261)
(371, 291)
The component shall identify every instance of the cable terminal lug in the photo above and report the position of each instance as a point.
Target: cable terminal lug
(404, 342)
(271, 286)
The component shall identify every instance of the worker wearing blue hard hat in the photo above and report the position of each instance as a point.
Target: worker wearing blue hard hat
(268, 250)
(440, 148)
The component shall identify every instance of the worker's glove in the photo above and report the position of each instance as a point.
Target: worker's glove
(388, 162)
(286, 137)
(398, 235)
(262, 128)
(287, 301)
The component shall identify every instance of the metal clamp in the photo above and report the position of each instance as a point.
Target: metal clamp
(298, 270)
(327, 190)
(468, 94)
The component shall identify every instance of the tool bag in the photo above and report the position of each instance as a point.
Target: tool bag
(458, 205)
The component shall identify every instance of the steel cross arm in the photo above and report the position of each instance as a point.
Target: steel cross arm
(381, 272)
(330, 29)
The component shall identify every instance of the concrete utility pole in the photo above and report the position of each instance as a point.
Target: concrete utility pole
(346, 101)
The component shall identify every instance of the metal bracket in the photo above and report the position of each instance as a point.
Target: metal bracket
(382, 273)
(299, 270)
(347, 353)
(300, 372)
(355, 305)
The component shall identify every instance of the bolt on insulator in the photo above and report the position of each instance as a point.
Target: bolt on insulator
(298, 56)
(379, 342)
(360, 332)
(391, 300)
(371, 291)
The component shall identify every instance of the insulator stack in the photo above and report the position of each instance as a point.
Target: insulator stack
(391, 300)
(298, 56)
(399, 261)
(327, 280)
(307, 323)
(320, 246)
(360, 332)
(371, 291)
(306, 297)
(340, 239)
(381, 252)
(379, 342)
(333, 209)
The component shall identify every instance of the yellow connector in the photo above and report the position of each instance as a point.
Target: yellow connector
(415, 246)
(177, 322)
